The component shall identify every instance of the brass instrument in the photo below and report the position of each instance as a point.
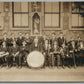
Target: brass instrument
(3, 54)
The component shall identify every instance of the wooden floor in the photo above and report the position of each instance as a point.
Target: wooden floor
(41, 75)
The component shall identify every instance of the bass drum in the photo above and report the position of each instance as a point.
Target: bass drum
(35, 59)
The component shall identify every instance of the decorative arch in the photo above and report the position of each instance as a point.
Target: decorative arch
(36, 24)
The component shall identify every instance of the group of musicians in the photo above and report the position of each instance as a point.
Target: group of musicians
(57, 51)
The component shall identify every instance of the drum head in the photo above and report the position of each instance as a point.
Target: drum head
(35, 59)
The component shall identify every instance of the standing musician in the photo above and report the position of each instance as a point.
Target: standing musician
(20, 39)
(4, 54)
(56, 53)
(23, 51)
(50, 55)
(10, 40)
(15, 53)
(53, 38)
(46, 52)
(13, 38)
(43, 39)
(64, 53)
(5, 38)
(77, 49)
(62, 45)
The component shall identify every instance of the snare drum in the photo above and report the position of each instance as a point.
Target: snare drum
(35, 59)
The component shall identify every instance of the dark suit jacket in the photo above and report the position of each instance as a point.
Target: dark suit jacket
(19, 41)
(61, 41)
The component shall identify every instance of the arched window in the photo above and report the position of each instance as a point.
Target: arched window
(36, 24)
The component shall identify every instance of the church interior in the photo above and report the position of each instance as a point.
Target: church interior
(39, 19)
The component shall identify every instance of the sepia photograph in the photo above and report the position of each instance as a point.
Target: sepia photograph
(41, 41)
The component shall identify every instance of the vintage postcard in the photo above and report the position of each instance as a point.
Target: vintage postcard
(41, 41)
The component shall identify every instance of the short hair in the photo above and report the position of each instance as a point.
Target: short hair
(3, 42)
(12, 33)
(20, 32)
(61, 32)
(24, 42)
(72, 38)
(4, 33)
(26, 33)
(54, 33)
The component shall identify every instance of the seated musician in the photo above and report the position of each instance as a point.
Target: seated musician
(72, 49)
(50, 55)
(80, 52)
(15, 53)
(46, 52)
(28, 41)
(64, 53)
(20, 39)
(56, 53)
(80, 45)
(4, 54)
(13, 38)
(36, 45)
(23, 52)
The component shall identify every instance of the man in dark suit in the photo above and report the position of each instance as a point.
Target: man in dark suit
(61, 39)
(15, 53)
(46, 52)
(5, 39)
(56, 54)
(23, 52)
(12, 38)
(5, 55)
(72, 49)
(20, 39)
(80, 51)
(53, 38)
